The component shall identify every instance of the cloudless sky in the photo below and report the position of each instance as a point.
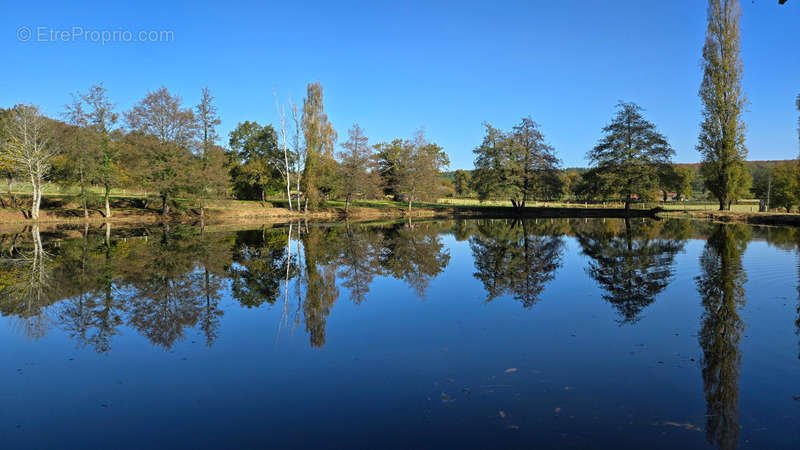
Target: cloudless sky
(395, 66)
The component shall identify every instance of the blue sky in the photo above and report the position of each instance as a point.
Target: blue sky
(395, 66)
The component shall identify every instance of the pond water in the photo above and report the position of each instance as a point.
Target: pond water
(457, 334)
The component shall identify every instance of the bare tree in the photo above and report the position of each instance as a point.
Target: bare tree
(299, 150)
(29, 149)
(286, 172)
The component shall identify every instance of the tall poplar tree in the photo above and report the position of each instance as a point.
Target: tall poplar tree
(319, 138)
(722, 139)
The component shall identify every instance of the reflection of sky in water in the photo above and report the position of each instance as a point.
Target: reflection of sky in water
(397, 369)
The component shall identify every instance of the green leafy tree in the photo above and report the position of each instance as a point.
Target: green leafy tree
(320, 138)
(166, 160)
(357, 167)
(419, 168)
(784, 186)
(257, 157)
(94, 111)
(82, 163)
(631, 154)
(676, 179)
(388, 155)
(7, 167)
(518, 165)
(722, 135)
(462, 180)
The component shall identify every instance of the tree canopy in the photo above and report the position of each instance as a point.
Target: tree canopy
(629, 158)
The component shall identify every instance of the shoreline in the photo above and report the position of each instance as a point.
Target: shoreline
(265, 213)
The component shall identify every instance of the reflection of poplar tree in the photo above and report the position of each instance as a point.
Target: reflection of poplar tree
(321, 290)
(518, 258)
(721, 286)
(632, 266)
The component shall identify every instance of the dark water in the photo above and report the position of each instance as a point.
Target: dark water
(469, 334)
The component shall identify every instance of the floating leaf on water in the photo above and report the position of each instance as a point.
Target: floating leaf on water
(685, 426)
(513, 427)
(568, 388)
(502, 414)
(446, 398)
(558, 410)
(449, 380)
(511, 370)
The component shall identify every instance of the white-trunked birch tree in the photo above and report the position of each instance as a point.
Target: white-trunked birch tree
(29, 148)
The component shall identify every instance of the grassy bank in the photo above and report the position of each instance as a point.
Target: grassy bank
(132, 209)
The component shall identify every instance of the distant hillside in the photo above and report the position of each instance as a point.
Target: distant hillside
(749, 164)
(693, 166)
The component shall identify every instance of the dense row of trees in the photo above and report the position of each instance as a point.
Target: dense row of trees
(171, 150)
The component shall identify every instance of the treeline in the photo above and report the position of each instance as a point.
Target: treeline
(163, 147)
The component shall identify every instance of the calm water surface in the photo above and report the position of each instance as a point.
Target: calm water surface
(467, 334)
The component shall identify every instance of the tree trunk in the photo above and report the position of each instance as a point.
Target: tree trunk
(627, 204)
(9, 181)
(108, 206)
(83, 197)
(409, 205)
(34, 197)
(722, 204)
(164, 204)
(298, 189)
(346, 204)
(305, 205)
(288, 181)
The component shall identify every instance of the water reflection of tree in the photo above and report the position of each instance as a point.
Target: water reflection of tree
(164, 281)
(91, 313)
(518, 257)
(320, 282)
(165, 298)
(25, 286)
(721, 287)
(259, 266)
(359, 260)
(631, 260)
(415, 254)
